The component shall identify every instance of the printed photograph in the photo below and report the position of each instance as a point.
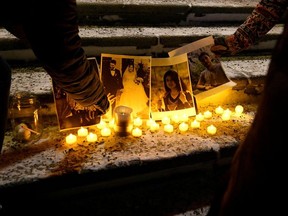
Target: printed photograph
(70, 114)
(127, 79)
(171, 88)
(206, 71)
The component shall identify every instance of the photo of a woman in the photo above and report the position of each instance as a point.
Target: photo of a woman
(133, 94)
(176, 95)
(171, 88)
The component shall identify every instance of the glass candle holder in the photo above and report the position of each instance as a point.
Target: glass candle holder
(26, 117)
(123, 120)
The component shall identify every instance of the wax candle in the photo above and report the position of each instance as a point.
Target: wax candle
(211, 129)
(166, 120)
(195, 124)
(154, 126)
(207, 114)
(184, 118)
(111, 123)
(183, 127)
(91, 137)
(219, 110)
(149, 122)
(239, 110)
(168, 128)
(82, 132)
(175, 118)
(226, 116)
(136, 132)
(101, 124)
(71, 139)
(199, 117)
(137, 122)
(106, 131)
(123, 120)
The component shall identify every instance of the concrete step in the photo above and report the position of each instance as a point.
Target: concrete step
(149, 27)
(154, 41)
(159, 12)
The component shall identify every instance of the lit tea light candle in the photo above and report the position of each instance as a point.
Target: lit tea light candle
(184, 118)
(207, 114)
(106, 131)
(149, 122)
(175, 118)
(71, 139)
(199, 117)
(91, 137)
(82, 132)
(183, 127)
(137, 122)
(239, 110)
(136, 132)
(211, 129)
(154, 126)
(228, 111)
(219, 110)
(225, 116)
(101, 124)
(111, 123)
(168, 128)
(195, 124)
(166, 120)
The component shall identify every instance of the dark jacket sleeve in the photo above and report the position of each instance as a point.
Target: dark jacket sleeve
(51, 29)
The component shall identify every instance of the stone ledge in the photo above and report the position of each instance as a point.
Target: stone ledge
(139, 40)
(51, 171)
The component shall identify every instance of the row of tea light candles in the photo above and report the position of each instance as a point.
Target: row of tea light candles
(154, 126)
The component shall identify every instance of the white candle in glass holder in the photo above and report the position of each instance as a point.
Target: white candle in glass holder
(71, 139)
(183, 127)
(82, 132)
(168, 128)
(136, 132)
(211, 129)
(92, 137)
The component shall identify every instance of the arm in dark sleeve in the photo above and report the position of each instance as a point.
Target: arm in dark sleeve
(51, 29)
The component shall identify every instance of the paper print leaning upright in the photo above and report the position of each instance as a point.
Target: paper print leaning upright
(171, 90)
(207, 74)
(127, 79)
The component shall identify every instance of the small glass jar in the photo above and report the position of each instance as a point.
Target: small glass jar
(26, 117)
(123, 120)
